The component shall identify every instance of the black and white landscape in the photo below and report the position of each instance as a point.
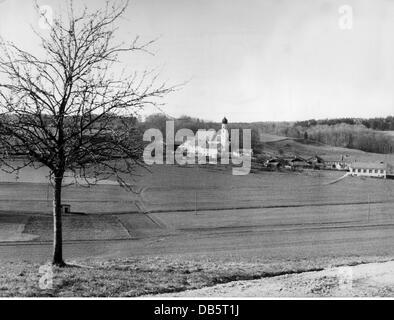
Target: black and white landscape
(196, 148)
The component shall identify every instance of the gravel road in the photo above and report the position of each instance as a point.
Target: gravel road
(372, 279)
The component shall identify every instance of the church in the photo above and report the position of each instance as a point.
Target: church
(209, 143)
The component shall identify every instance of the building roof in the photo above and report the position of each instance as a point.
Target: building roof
(368, 165)
(335, 158)
(297, 159)
(315, 158)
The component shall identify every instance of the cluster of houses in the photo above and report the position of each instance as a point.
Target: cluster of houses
(342, 163)
(315, 162)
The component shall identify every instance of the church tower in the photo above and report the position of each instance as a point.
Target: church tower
(224, 123)
(224, 136)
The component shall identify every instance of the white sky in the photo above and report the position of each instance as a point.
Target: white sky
(254, 60)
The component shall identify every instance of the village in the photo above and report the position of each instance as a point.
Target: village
(193, 151)
(343, 163)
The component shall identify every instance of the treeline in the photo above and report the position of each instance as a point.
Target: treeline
(354, 133)
(382, 124)
(158, 121)
(351, 136)
(347, 133)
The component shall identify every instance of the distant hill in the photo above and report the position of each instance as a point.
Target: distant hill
(288, 147)
(383, 124)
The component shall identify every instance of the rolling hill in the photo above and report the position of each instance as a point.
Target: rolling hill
(278, 145)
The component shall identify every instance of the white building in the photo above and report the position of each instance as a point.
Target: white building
(209, 143)
(212, 144)
(366, 169)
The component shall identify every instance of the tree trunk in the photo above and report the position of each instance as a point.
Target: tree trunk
(57, 223)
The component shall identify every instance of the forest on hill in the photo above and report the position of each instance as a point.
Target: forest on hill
(381, 124)
(368, 135)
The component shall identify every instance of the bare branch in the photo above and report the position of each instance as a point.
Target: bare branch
(66, 110)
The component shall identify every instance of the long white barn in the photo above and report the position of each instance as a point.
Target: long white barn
(366, 169)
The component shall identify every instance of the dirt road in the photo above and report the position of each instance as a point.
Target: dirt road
(373, 279)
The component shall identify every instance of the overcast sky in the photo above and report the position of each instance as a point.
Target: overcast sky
(254, 60)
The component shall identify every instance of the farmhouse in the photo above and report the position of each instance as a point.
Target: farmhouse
(316, 162)
(298, 162)
(366, 169)
(276, 163)
(335, 162)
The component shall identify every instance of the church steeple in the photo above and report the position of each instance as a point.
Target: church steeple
(224, 136)
(224, 123)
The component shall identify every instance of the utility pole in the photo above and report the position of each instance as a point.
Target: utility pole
(195, 193)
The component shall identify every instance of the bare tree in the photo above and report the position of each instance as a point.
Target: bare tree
(67, 111)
